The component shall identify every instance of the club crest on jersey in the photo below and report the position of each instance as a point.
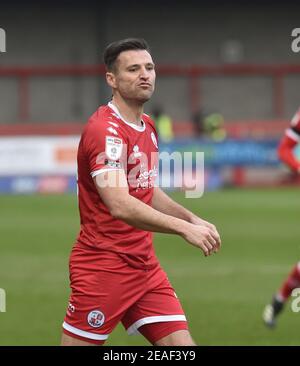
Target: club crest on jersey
(96, 318)
(154, 139)
(113, 147)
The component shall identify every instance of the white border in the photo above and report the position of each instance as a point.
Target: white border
(97, 172)
(133, 329)
(82, 333)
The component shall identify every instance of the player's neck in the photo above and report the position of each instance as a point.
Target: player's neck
(131, 112)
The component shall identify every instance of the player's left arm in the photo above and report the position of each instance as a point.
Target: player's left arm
(288, 142)
(163, 203)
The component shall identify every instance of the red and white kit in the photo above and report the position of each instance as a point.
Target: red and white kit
(288, 143)
(114, 272)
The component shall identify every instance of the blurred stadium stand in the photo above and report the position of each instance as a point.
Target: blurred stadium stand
(193, 76)
(213, 56)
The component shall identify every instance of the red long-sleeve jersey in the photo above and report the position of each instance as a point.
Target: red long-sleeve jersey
(287, 144)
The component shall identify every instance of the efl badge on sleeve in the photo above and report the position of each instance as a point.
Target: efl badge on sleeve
(113, 147)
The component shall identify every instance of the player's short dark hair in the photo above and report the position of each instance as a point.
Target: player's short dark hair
(113, 50)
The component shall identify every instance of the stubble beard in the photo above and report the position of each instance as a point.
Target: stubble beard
(139, 97)
(144, 97)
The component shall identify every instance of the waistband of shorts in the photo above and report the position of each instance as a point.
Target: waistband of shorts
(129, 259)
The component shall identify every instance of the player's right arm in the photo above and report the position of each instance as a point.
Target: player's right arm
(123, 206)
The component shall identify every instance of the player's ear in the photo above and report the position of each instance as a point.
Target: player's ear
(111, 79)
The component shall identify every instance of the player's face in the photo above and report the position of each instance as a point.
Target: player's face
(134, 77)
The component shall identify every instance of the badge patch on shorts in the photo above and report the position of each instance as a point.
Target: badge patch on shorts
(113, 147)
(96, 318)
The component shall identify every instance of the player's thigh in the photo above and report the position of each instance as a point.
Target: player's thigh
(66, 340)
(158, 313)
(177, 338)
(154, 332)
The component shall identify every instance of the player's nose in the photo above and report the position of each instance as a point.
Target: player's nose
(144, 74)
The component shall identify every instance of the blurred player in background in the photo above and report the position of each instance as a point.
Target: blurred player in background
(286, 154)
(114, 272)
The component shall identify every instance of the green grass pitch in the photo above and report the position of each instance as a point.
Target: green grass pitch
(223, 295)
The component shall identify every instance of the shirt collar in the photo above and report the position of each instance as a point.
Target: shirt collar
(132, 125)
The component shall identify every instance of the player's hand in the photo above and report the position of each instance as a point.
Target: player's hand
(202, 237)
(198, 221)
